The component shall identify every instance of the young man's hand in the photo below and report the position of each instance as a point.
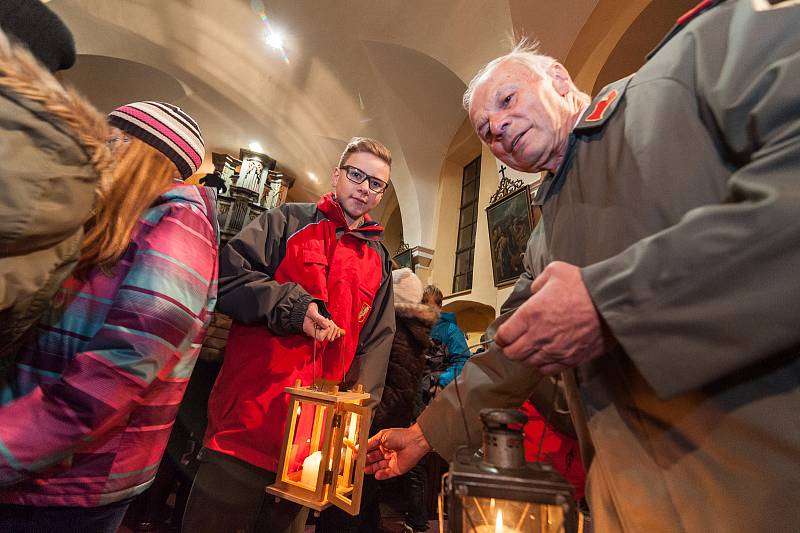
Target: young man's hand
(392, 452)
(318, 327)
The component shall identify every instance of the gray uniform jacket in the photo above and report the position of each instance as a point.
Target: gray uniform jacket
(679, 198)
(52, 157)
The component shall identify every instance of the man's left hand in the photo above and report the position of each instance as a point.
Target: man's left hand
(556, 328)
(395, 451)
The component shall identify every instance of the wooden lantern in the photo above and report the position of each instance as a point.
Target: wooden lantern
(324, 447)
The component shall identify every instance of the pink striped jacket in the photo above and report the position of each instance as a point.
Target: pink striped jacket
(93, 395)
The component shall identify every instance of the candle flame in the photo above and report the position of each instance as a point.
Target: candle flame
(498, 524)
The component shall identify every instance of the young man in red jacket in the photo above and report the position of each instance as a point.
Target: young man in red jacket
(293, 269)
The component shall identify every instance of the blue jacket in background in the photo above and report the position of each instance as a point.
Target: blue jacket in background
(448, 333)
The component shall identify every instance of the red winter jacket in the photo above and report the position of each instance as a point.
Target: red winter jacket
(269, 273)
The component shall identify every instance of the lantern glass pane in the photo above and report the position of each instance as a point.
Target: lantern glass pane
(304, 454)
(351, 425)
(490, 515)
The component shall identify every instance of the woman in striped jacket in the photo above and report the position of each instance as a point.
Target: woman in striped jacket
(96, 387)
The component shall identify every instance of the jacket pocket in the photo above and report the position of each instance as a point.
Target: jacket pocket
(315, 275)
(364, 304)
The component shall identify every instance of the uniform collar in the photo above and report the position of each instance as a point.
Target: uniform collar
(682, 21)
(594, 117)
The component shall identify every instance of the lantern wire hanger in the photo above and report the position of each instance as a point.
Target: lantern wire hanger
(314, 359)
(553, 407)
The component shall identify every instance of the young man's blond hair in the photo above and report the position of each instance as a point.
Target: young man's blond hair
(371, 146)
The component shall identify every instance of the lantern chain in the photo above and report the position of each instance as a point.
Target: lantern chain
(314, 358)
(550, 410)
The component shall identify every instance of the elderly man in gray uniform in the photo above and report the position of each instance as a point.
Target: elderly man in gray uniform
(671, 220)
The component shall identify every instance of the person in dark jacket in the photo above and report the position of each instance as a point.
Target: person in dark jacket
(414, 321)
(297, 275)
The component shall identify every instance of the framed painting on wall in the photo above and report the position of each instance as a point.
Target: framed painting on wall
(511, 220)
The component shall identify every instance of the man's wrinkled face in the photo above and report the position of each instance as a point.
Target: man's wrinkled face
(521, 116)
(357, 199)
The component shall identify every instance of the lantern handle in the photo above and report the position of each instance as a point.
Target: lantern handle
(493, 418)
(314, 357)
(341, 361)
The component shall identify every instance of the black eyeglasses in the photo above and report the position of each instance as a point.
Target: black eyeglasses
(356, 175)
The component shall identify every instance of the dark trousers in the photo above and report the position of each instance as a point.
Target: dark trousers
(176, 472)
(334, 520)
(417, 493)
(147, 512)
(228, 497)
(30, 519)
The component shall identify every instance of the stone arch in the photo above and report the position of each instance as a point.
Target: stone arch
(616, 38)
(473, 317)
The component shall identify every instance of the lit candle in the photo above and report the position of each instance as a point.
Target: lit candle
(310, 470)
(498, 526)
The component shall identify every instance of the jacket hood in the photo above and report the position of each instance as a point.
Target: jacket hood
(422, 312)
(442, 327)
(25, 81)
(444, 316)
(418, 319)
(369, 229)
(205, 198)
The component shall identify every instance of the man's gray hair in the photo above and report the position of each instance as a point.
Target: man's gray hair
(525, 51)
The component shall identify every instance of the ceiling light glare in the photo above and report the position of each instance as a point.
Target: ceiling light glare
(275, 40)
(313, 177)
(255, 147)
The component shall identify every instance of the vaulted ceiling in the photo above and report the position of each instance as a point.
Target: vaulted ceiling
(390, 69)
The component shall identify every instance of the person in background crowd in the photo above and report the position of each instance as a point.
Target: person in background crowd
(414, 321)
(52, 159)
(213, 179)
(297, 275)
(447, 332)
(444, 359)
(94, 394)
(671, 281)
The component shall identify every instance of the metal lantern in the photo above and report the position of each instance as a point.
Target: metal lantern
(501, 493)
(324, 447)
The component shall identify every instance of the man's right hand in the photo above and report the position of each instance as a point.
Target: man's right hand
(392, 452)
(318, 327)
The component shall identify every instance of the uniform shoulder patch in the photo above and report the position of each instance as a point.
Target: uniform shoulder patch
(604, 104)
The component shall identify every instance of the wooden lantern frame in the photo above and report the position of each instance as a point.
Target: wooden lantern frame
(328, 431)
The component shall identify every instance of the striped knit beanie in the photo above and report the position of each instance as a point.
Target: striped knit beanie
(166, 128)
